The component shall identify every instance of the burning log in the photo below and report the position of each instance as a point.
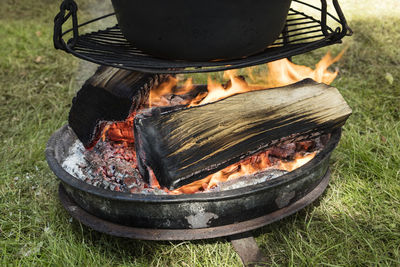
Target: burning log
(111, 94)
(181, 145)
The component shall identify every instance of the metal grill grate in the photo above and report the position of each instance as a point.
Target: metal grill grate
(301, 34)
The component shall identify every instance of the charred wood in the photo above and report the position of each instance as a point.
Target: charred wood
(111, 94)
(182, 145)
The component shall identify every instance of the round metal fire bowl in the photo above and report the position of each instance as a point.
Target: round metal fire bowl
(203, 210)
(114, 229)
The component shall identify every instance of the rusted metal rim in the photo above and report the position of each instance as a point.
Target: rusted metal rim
(114, 229)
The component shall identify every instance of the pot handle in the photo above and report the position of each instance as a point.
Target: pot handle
(346, 30)
(60, 19)
(341, 32)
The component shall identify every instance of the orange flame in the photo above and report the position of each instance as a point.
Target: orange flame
(156, 97)
(283, 72)
(159, 95)
(216, 91)
(296, 163)
(280, 73)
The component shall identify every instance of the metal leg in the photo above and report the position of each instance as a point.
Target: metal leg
(248, 250)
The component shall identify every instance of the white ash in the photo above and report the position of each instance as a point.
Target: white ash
(106, 167)
(72, 164)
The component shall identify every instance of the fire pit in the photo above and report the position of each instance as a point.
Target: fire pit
(184, 140)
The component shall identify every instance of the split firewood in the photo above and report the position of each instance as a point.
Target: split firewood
(181, 145)
(110, 95)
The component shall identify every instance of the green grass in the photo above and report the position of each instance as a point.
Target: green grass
(355, 223)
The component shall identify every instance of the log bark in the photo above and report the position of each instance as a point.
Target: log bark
(111, 94)
(181, 145)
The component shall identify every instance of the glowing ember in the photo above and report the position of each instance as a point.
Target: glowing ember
(112, 165)
(280, 73)
(256, 163)
(120, 131)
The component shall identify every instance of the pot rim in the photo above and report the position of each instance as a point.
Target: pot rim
(75, 182)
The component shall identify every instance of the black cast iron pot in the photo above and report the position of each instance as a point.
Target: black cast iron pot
(200, 210)
(201, 30)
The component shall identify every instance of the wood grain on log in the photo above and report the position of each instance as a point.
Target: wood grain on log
(182, 145)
